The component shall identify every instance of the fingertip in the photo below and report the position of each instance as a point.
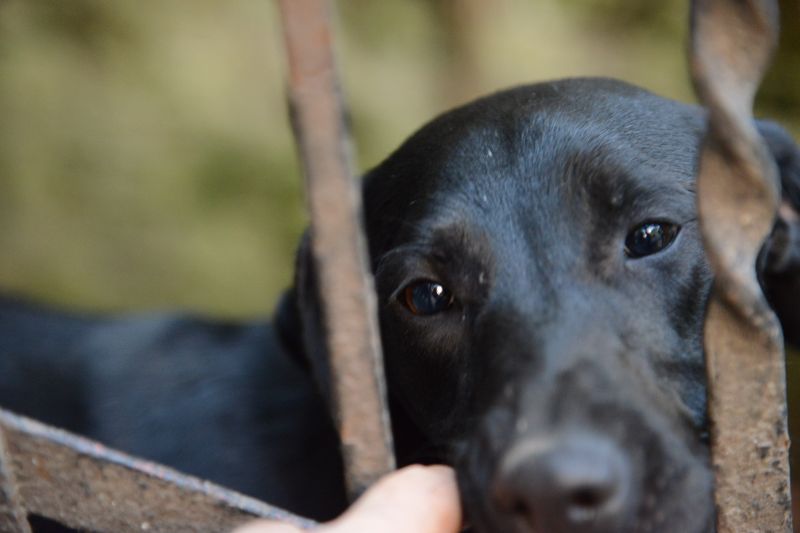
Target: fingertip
(422, 499)
(266, 526)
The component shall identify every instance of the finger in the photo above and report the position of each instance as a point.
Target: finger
(264, 526)
(418, 499)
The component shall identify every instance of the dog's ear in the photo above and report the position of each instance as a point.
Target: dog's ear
(779, 261)
(298, 320)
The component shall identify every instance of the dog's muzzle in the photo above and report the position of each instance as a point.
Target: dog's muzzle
(587, 450)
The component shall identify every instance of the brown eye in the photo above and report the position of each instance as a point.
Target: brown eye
(426, 298)
(650, 238)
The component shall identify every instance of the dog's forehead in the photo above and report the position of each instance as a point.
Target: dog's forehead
(533, 148)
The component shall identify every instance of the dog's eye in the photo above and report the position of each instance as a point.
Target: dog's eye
(649, 238)
(426, 298)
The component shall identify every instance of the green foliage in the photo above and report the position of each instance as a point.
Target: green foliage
(145, 154)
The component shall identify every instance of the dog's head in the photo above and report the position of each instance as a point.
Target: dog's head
(542, 288)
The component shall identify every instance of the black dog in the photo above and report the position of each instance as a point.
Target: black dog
(542, 289)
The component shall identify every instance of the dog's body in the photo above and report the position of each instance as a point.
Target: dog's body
(542, 288)
(220, 401)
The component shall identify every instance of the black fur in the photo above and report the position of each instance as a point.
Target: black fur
(519, 204)
(213, 399)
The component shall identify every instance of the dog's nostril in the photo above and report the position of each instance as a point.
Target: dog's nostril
(582, 480)
(519, 508)
(588, 503)
(589, 497)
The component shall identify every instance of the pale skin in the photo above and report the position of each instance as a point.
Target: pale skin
(415, 499)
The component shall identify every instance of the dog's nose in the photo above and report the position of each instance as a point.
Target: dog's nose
(577, 483)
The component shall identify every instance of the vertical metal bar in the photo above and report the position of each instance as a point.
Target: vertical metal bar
(338, 244)
(738, 193)
(12, 515)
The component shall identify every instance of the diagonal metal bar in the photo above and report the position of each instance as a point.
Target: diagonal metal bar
(338, 244)
(84, 485)
(738, 193)
(12, 515)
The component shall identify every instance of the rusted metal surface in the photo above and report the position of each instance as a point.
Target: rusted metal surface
(338, 244)
(84, 485)
(738, 193)
(12, 515)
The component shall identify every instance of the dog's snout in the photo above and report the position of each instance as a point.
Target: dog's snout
(576, 483)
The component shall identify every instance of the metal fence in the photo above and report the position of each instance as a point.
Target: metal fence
(81, 484)
(738, 194)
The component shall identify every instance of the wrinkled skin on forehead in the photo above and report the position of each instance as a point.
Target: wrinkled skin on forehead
(519, 205)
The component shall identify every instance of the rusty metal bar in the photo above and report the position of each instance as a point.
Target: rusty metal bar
(84, 485)
(338, 244)
(738, 194)
(12, 515)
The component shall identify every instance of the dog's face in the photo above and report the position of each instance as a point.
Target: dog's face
(542, 287)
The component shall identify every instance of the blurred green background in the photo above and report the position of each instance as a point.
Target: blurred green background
(145, 154)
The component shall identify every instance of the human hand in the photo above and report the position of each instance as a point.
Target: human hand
(415, 499)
